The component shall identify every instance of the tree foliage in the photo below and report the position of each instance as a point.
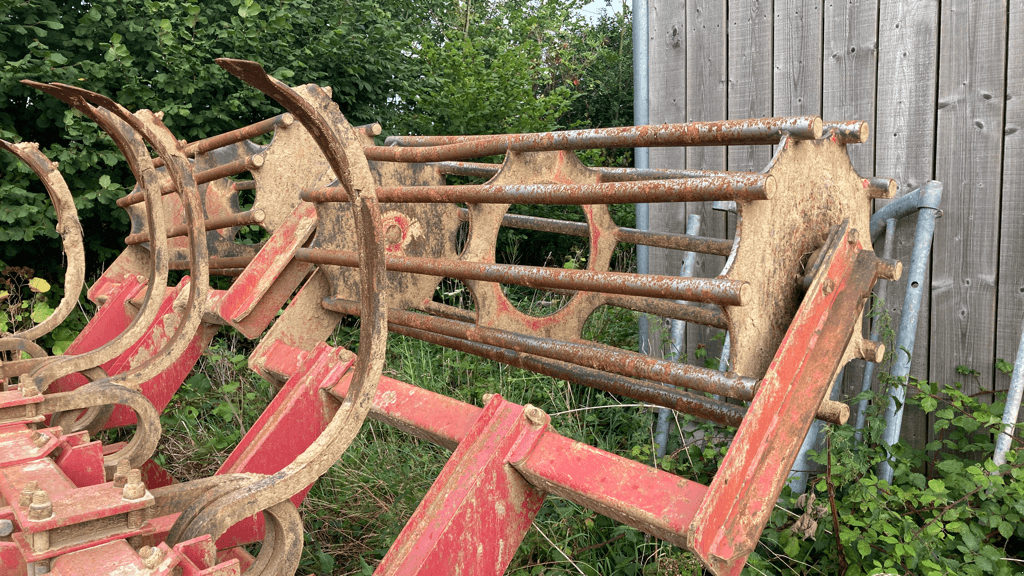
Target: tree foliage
(432, 67)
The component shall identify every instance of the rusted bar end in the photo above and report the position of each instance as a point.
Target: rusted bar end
(769, 187)
(833, 412)
(849, 132)
(879, 187)
(328, 194)
(371, 129)
(889, 269)
(871, 351)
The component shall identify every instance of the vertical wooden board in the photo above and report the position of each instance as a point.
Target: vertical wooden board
(908, 40)
(750, 75)
(1010, 311)
(667, 61)
(706, 93)
(796, 87)
(968, 155)
(849, 66)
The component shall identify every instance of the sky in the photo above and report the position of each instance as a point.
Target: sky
(593, 10)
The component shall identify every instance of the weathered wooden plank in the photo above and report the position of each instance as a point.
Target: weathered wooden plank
(796, 87)
(849, 67)
(706, 95)
(749, 53)
(908, 40)
(1010, 309)
(667, 60)
(968, 160)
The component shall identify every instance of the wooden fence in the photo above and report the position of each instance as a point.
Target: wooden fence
(942, 85)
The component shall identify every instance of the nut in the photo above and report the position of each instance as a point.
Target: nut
(26, 493)
(39, 439)
(487, 397)
(534, 415)
(151, 556)
(121, 473)
(828, 286)
(134, 488)
(852, 236)
(29, 389)
(40, 508)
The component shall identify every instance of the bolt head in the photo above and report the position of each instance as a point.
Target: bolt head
(6, 528)
(534, 415)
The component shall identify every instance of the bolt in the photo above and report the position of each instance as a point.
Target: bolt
(287, 119)
(40, 508)
(828, 286)
(26, 493)
(39, 439)
(534, 415)
(41, 543)
(329, 91)
(6, 528)
(28, 389)
(151, 556)
(257, 160)
(159, 115)
(121, 473)
(394, 234)
(852, 236)
(134, 488)
(487, 397)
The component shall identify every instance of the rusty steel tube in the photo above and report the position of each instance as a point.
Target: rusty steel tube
(244, 133)
(608, 174)
(230, 221)
(222, 171)
(603, 358)
(219, 263)
(701, 244)
(244, 184)
(849, 132)
(744, 186)
(712, 291)
(725, 132)
(671, 309)
(651, 392)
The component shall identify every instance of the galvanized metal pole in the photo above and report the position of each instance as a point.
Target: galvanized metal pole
(928, 200)
(641, 116)
(801, 466)
(661, 437)
(869, 367)
(1013, 397)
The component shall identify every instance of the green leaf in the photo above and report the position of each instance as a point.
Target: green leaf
(41, 311)
(863, 548)
(105, 181)
(39, 286)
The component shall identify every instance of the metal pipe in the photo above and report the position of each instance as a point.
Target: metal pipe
(652, 392)
(603, 358)
(215, 263)
(687, 242)
(661, 434)
(230, 221)
(869, 367)
(608, 174)
(246, 164)
(929, 197)
(716, 133)
(232, 137)
(714, 291)
(848, 132)
(1012, 407)
(800, 470)
(736, 185)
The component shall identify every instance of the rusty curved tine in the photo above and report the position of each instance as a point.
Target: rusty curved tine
(17, 343)
(344, 154)
(68, 227)
(151, 129)
(135, 153)
(147, 429)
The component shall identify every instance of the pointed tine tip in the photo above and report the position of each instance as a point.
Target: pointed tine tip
(242, 69)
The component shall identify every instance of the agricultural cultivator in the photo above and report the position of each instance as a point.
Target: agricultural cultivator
(370, 231)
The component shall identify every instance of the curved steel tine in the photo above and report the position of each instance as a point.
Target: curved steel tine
(134, 150)
(180, 170)
(68, 227)
(346, 158)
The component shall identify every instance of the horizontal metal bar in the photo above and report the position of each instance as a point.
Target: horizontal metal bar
(230, 221)
(608, 174)
(215, 263)
(701, 244)
(734, 186)
(714, 291)
(228, 138)
(848, 132)
(246, 164)
(606, 359)
(725, 132)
